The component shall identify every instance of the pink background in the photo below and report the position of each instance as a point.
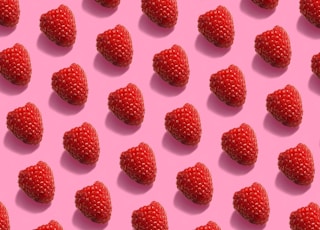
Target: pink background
(160, 98)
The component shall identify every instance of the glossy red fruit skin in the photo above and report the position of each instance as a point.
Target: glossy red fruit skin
(151, 216)
(71, 84)
(9, 12)
(94, 202)
(217, 27)
(252, 203)
(162, 12)
(127, 104)
(305, 218)
(184, 124)
(115, 45)
(82, 143)
(109, 3)
(285, 105)
(4, 217)
(15, 64)
(52, 225)
(59, 26)
(26, 124)
(240, 144)
(172, 66)
(310, 10)
(229, 86)
(274, 47)
(209, 226)
(266, 4)
(37, 181)
(195, 183)
(297, 164)
(139, 163)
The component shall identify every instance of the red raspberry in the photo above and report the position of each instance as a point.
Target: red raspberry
(37, 182)
(15, 65)
(184, 124)
(94, 202)
(26, 123)
(196, 183)
(217, 27)
(115, 45)
(59, 26)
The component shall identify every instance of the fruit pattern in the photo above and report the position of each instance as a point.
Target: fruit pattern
(84, 150)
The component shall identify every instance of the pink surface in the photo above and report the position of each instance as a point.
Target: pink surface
(160, 98)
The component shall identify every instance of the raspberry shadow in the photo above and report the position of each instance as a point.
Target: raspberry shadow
(96, 9)
(130, 186)
(220, 108)
(118, 126)
(164, 88)
(209, 49)
(262, 67)
(107, 68)
(152, 29)
(289, 187)
(253, 10)
(73, 165)
(238, 222)
(307, 29)
(231, 166)
(174, 146)
(314, 84)
(10, 89)
(50, 48)
(277, 128)
(63, 107)
(187, 206)
(5, 31)
(29, 205)
(84, 223)
(14, 144)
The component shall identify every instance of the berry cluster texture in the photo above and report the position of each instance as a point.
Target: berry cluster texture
(159, 114)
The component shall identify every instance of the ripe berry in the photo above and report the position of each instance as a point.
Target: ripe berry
(71, 85)
(37, 182)
(15, 64)
(59, 26)
(310, 10)
(285, 105)
(82, 143)
(297, 164)
(172, 65)
(9, 12)
(274, 47)
(127, 104)
(151, 216)
(252, 203)
(52, 225)
(139, 163)
(115, 45)
(217, 27)
(209, 226)
(26, 123)
(196, 183)
(184, 124)
(240, 144)
(162, 12)
(229, 86)
(306, 218)
(94, 202)
(4, 217)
